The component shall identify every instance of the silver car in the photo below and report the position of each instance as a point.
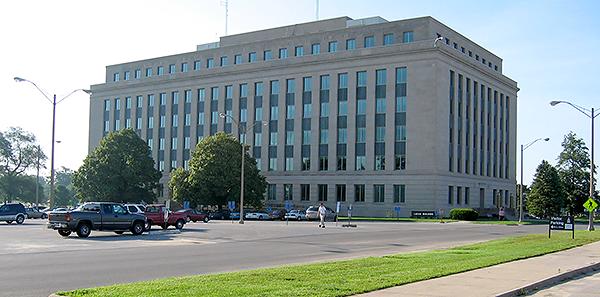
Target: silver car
(312, 213)
(34, 213)
(257, 215)
(296, 214)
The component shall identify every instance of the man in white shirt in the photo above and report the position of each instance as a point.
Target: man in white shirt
(322, 213)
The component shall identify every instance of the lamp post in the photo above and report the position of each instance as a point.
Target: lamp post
(243, 129)
(54, 102)
(521, 186)
(592, 115)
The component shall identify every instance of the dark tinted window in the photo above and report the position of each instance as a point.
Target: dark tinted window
(152, 209)
(107, 208)
(132, 209)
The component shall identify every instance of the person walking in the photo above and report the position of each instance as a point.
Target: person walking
(501, 213)
(322, 213)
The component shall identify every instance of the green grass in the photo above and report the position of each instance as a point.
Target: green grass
(391, 219)
(348, 277)
(507, 222)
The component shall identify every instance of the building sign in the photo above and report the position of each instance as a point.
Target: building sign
(565, 223)
(423, 214)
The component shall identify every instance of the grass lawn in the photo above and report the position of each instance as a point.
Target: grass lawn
(507, 222)
(343, 278)
(345, 219)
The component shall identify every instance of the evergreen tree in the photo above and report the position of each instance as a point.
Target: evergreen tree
(546, 196)
(574, 171)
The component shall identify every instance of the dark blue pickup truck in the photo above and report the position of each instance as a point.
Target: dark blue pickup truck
(101, 216)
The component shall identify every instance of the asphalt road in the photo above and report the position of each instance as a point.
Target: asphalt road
(35, 261)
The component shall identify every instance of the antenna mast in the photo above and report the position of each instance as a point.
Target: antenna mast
(226, 4)
(317, 13)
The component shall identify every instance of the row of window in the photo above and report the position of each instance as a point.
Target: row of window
(479, 128)
(267, 55)
(398, 193)
(458, 195)
(469, 53)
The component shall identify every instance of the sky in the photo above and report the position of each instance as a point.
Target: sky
(548, 46)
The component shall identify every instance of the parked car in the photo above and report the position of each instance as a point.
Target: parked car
(278, 214)
(312, 213)
(136, 208)
(34, 213)
(194, 215)
(155, 214)
(296, 214)
(13, 212)
(49, 210)
(257, 215)
(100, 216)
(219, 215)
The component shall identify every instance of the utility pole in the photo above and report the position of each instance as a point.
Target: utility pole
(37, 179)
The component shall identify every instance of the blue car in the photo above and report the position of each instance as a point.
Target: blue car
(10, 212)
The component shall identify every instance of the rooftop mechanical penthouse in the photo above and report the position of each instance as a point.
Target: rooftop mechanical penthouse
(368, 112)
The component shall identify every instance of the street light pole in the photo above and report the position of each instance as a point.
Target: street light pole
(592, 115)
(244, 130)
(54, 103)
(523, 148)
(37, 179)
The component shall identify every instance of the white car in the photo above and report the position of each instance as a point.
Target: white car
(136, 208)
(296, 215)
(257, 215)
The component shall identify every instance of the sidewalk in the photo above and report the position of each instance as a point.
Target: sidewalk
(506, 279)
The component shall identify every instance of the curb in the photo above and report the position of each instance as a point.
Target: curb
(545, 283)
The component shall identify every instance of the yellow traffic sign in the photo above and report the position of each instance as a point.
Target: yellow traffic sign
(590, 205)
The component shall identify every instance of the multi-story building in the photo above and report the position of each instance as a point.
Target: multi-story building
(368, 112)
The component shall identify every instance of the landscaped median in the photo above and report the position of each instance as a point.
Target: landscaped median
(342, 278)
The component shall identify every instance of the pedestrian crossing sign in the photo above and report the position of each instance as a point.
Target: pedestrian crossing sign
(590, 204)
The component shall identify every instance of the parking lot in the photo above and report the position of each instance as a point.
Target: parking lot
(36, 261)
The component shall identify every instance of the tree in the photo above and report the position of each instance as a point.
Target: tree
(22, 188)
(120, 169)
(573, 169)
(19, 152)
(546, 197)
(64, 197)
(214, 175)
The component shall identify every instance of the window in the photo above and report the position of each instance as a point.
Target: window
(175, 120)
(150, 122)
(380, 162)
(380, 134)
(305, 192)
(201, 118)
(287, 192)
(243, 90)
(378, 193)
(224, 61)
(116, 77)
(324, 136)
(291, 110)
(126, 75)
(252, 57)
(137, 74)
(342, 108)
(210, 63)
(184, 67)
(289, 164)
(289, 137)
(333, 46)
(258, 114)
(306, 137)
(283, 53)
(197, 64)
(267, 55)
(307, 110)
(188, 96)
(324, 109)
(341, 163)
(237, 59)
(450, 195)
(324, 82)
(299, 51)
(340, 193)
(201, 95)
(175, 96)
(161, 144)
(361, 163)
(408, 37)
(117, 104)
(399, 194)
(151, 143)
(350, 44)
(162, 120)
(369, 41)
(467, 195)
(388, 39)
(257, 139)
(107, 105)
(361, 79)
(400, 133)
(359, 193)
(106, 126)
(315, 48)
(323, 163)
(186, 142)
(161, 165)
(272, 164)
(322, 192)
(342, 136)
(148, 72)
(273, 138)
(171, 69)
(174, 143)
(271, 192)
(214, 118)
(274, 113)
(361, 135)
(305, 163)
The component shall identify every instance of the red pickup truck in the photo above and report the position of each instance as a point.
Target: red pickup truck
(156, 213)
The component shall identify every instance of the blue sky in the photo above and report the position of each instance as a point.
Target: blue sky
(549, 47)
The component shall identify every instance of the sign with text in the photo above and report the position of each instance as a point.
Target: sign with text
(231, 205)
(423, 214)
(564, 223)
(590, 204)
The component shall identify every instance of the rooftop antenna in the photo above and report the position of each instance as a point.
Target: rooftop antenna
(226, 4)
(317, 12)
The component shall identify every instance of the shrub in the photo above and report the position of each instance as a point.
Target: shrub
(465, 214)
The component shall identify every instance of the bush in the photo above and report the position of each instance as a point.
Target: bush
(465, 214)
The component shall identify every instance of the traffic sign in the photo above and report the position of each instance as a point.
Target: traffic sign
(566, 223)
(231, 205)
(288, 205)
(590, 204)
(397, 208)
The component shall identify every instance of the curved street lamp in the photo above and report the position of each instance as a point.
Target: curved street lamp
(54, 102)
(592, 115)
(524, 147)
(242, 129)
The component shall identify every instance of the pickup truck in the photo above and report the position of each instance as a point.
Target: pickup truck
(155, 215)
(100, 216)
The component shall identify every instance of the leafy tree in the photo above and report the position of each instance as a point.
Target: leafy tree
(573, 169)
(546, 197)
(179, 186)
(64, 197)
(120, 169)
(22, 188)
(64, 177)
(19, 152)
(214, 175)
